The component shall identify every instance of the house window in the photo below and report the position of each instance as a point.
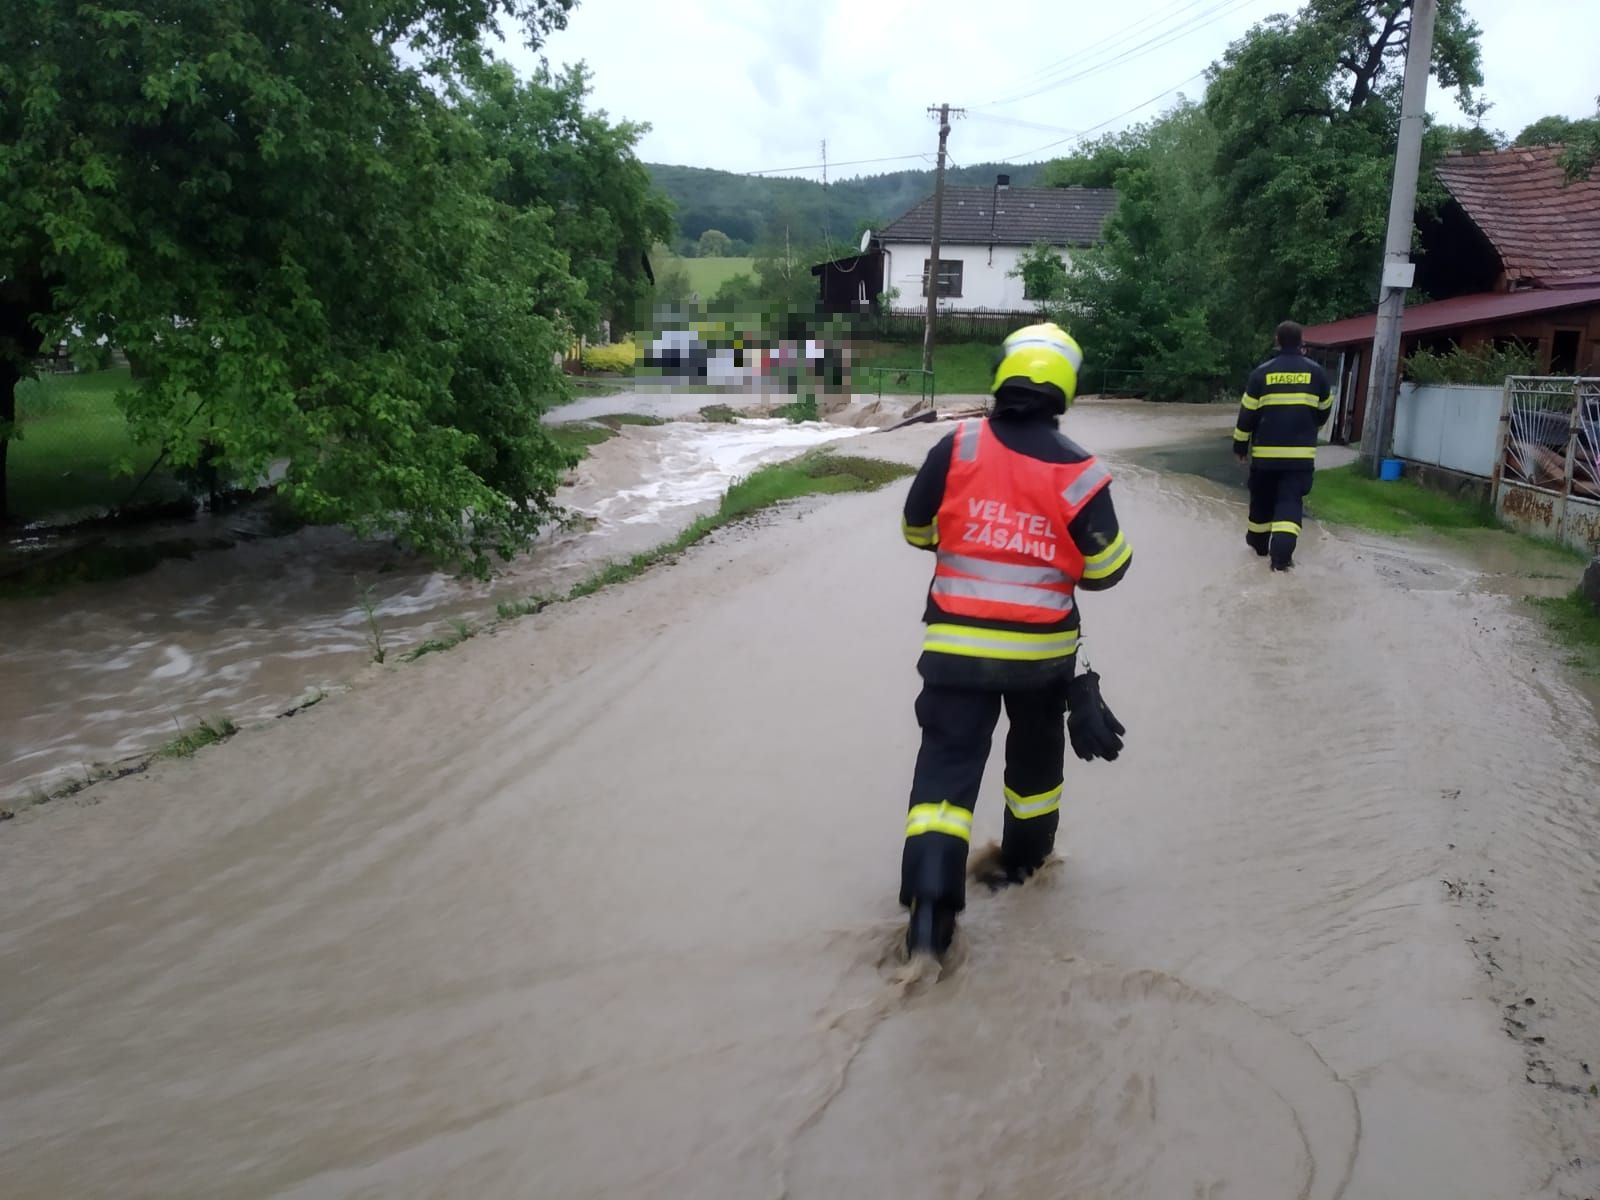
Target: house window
(949, 277)
(1564, 351)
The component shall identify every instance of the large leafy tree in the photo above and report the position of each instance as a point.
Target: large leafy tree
(284, 211)
(1098, 163)
(1155, 297)
(550, 154)
(1583, 147)
(1306, 112)
(1267, 200)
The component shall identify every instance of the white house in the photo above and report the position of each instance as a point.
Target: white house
(985, 230)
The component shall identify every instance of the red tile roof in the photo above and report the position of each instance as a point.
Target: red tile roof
(1457, 313)
(1542, 226)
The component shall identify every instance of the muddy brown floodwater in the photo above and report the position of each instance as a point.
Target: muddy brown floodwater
(110, 672)
(603, 904)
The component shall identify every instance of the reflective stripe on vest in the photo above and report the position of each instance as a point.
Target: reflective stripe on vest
(1001, 572)
(1086, 485)
(970, 641)
(968, 435)
(1003, 593)
(1006, 554)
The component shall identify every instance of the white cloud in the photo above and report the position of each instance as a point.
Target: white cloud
(760, 84)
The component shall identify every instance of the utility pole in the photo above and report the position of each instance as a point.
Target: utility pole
(824, 162)
(944, 112)
(1383, 384)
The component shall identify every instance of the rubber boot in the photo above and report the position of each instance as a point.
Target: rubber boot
(935, 884)
(931, 929)
(996, 869)
(1002, 874)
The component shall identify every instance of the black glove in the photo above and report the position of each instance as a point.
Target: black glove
(1093, 727)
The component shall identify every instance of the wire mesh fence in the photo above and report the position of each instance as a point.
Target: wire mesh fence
(1547, 477)
(1553, 434)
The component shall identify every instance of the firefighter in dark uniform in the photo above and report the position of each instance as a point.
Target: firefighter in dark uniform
(1285, 403)
(1020, 518)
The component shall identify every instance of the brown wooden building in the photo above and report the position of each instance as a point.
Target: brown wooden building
(1512, 258)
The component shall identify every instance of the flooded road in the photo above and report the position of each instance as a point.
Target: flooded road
(109, 672)
(602, 904)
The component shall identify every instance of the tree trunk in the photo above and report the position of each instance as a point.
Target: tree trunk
(23, 295)
(8, 414)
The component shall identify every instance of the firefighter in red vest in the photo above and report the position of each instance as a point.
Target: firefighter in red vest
(1020, 518)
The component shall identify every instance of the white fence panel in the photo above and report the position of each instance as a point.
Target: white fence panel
(1455, 426)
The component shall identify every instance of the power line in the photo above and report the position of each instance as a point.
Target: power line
(1207, 17)
(999, 120)
(852, 163)
(1079, 136)
(1083, 53)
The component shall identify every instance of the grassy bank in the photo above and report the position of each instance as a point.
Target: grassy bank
(75, 452)
(706, 275)
(1576, 625)
(1345, 496)
(960, 368)
(577, 438)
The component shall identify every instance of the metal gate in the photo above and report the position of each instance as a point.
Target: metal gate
(1547, 468)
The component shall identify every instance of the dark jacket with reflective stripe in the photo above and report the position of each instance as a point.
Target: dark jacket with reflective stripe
(1285, 403)
(1094, 531)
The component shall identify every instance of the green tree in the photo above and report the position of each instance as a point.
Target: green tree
(1268, 200)
(673, 288)
(1462, 139)
(1551, 131)
(1583, 147)
(713, 243)
(1306, 161)
(550, 155)
(739, 293)
(1154, 298)
(1097, 163)
(1042, 272)
(307, 245)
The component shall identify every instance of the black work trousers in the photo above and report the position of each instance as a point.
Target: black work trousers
(957, 727)
(1277, 506)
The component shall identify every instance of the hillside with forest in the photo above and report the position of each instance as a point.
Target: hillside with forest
(752, 209)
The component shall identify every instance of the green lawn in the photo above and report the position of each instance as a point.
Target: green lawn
(73, 439)
(706, 275)
(1576, 623)
(962, 368)
(1347, 497)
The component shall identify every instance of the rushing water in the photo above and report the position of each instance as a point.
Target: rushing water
(105, 672)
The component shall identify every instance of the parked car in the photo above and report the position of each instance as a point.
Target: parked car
(680, 352)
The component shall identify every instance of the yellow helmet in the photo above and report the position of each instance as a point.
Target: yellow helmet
(1041, 354)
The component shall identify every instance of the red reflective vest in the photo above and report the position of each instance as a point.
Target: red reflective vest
(1004, 552)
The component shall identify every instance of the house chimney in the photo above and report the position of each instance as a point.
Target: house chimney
(1001, 183)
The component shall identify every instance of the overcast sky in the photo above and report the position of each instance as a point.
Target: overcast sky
(758, 84)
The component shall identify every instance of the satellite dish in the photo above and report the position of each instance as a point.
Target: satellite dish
(866, 240)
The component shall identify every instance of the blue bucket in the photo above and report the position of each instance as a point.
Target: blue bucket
(1389, 470)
